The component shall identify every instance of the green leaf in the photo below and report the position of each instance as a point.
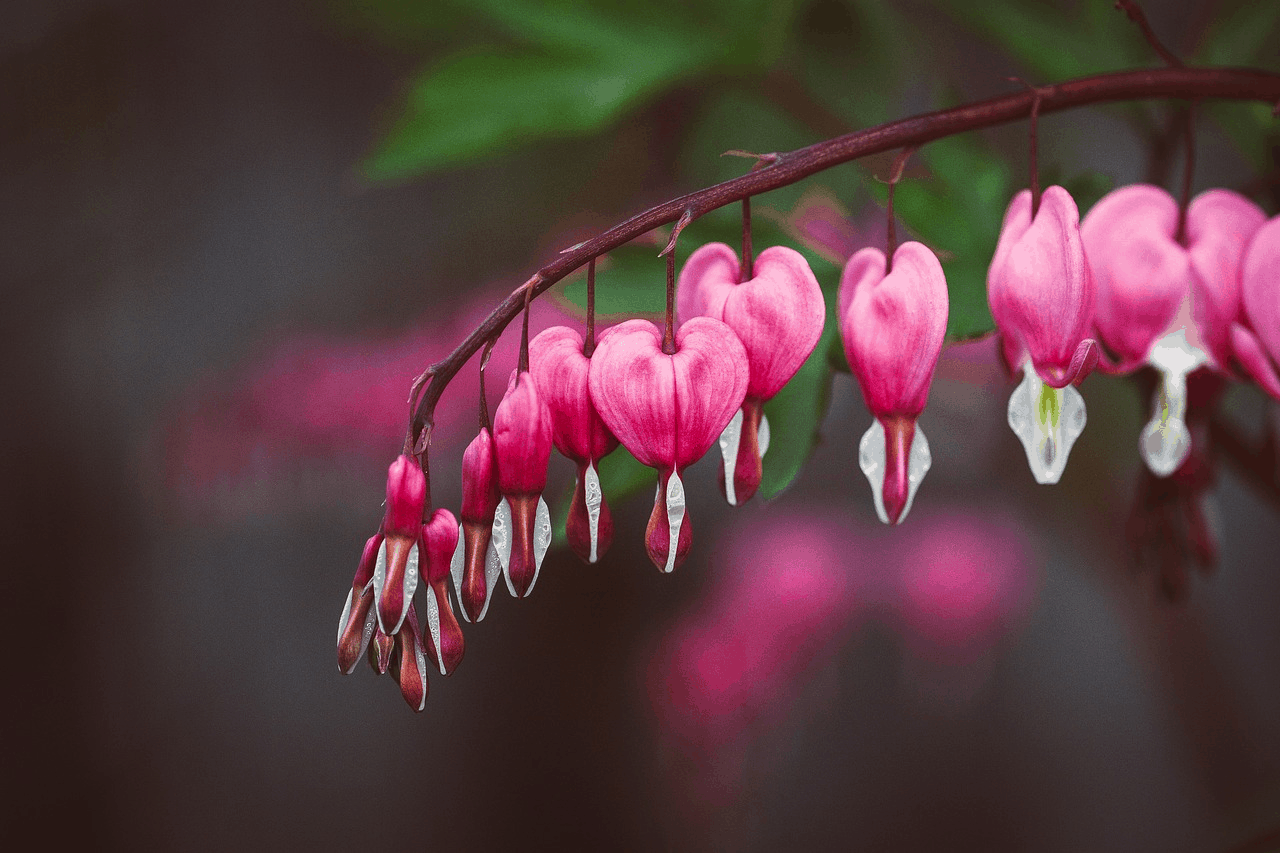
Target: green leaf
(630, 280)
(957, 213)
(480, 104)
(1243, 36)
(795, 416)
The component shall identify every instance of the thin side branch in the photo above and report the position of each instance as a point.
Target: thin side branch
(788, 168)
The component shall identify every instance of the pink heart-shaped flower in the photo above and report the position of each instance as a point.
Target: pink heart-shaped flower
(668, 409)
(1040, 288)
(777, 315)
(1258, 346)
(893, 326)
(1220, 226)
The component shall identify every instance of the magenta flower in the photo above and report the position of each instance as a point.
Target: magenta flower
(1163, 303)
(893, 325)
(561, 369)
(1256, 341)
(778, 316)
(522, 439)
(358, 633)
(443, 638)
(668, 409)
(1042, 297)
(475, 565)
(395, 571)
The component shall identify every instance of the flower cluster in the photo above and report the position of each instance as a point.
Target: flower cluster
(1140, 282)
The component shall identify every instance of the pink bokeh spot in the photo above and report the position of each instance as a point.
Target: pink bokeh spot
(241, 441)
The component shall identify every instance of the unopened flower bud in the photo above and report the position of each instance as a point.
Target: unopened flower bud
(522, 438)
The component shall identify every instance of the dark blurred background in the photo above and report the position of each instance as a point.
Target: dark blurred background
(230, 235)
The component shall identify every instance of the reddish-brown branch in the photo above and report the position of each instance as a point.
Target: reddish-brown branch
(788, 168)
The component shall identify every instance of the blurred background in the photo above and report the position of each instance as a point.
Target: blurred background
(234, 232)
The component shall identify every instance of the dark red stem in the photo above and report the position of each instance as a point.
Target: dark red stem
(784, 169)
(485, 423)
(1189, 168)
(1135, 13)
(589, 345)
(748, 259)
(669, 335)
(524, 332)
(891, 241)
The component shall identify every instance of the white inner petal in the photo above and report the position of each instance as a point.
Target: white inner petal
(675, 517)
(500, 541)
(541, 540)
(456, 566)
(492, 571)
(346, 614)
(420, 660)
(380, 579)
(872, 459)
(729, 441)
(1165, 442)
(410, 585)
(433, 625)
(594, 498)
(762, 435)
(1047, 421)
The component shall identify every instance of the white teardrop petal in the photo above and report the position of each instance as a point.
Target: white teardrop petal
(541, 539)
(675, 517)
(1047, 421)
(594, 499)
(433, 627)
(379, 580)
(410, 585)
(492, 571)
(500, 541)
(346, 614)
(729, 441)
(1165, 442)
(456, 566)
(762, 435)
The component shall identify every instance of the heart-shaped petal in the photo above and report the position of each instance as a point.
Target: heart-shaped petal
(893, 326)
(668, 409)
(1260, 284)
(1039, 286)
(480, 494)
(1220, 226)
(560, 370)
(406, 495)
(777, 315)
(1141, 273)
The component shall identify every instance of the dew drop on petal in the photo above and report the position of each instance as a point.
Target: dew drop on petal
(541, 539)
(500, 541)
(346, 613)
(433, 626)
(380, 578)
(1047, 421)
(456, 568)
(675, 517)
(729, 440)
(1165, 442)
(594, 497)
(410, 583)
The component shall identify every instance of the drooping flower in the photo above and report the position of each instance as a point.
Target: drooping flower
(443, 637)
(1256, 340)
(395, 570)
(1042, 299)
(522, 440)
(778, 316)
(561, 369)
(668, 409)
(893, 325)
(476, 565)
(1165, 303)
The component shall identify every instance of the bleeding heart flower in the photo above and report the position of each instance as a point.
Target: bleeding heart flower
(561, 369)
(1256, 341)
(395, 570)
(893, 325)
(522, 439)
(443, 638)
(778, 316)
(1163, 303)
(475, 565)
(359, 618)
(1042, 298)
(668, 409)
